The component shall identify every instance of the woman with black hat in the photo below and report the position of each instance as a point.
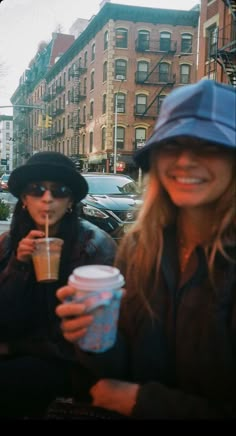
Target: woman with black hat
(36, 363)
(178, 319)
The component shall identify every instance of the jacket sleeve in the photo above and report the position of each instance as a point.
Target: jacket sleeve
(14, 294)
(99, 246)
(156, 401)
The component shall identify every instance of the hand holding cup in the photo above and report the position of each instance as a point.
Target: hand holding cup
(75, 320)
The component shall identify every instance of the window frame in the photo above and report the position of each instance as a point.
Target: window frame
(121, 37)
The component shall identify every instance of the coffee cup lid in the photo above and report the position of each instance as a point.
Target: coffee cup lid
(97, 277)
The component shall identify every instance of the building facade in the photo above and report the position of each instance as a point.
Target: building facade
(102, 97)
(217, 54)
(6, 143)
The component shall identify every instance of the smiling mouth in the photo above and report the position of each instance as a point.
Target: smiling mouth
(188, 180)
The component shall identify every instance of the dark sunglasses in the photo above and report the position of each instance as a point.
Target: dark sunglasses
(57, 191)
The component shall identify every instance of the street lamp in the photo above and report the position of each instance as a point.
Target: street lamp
(121, 79)
(140, 144)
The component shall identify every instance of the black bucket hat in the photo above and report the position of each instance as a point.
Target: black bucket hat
(52, 166)
(205, 110)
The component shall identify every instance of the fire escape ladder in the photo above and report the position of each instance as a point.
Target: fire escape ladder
(154, 99)
(226, 61)
(75, 114)
(232, 7)
(153, 69)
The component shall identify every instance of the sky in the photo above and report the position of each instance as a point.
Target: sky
(25, 23)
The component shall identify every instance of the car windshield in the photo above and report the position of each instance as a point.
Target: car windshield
(111, 186)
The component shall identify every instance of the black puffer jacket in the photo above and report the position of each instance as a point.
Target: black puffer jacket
(28, 323)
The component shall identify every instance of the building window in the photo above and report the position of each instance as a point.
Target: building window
(93, 52)
(85, 85)
(104, 103)
(120, 137)
(212, 38)
(119, 104)
(165, 41)
(106, 36)
(105, 71)
(103, 138)
(84, 114)
(91, 110)
(140, 137)
(121, 38)
(160, 99)
(143, 40)
(92, 81)
(164, 72)
(142, 71)
(120, 69)
(7, 125)
(185, 74)
(85, 59)
(141, 103)
(90, 142)
(186, 43)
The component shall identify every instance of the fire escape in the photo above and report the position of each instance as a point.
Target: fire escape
(225, 54)
(79, 95)
(156, 76)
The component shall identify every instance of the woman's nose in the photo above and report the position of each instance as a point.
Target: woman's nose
(47, 196)
(186, 157)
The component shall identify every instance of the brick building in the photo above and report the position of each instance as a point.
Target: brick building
(104, 93)
(217, 47)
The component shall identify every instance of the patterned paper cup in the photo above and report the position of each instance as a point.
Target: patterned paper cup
(99, 287)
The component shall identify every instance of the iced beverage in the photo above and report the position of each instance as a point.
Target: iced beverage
(99, 287)
(46, 259)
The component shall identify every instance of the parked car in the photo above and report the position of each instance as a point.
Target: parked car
(112, 202)
(4, 182)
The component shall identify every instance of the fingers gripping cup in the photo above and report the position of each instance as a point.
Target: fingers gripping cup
(46, 258)
(99, 288)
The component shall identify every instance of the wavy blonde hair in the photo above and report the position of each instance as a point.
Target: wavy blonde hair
(140, 251)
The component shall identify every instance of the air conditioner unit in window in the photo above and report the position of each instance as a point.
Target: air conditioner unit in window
(120, 77)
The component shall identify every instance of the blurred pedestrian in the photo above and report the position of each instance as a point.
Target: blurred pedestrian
(36, 363)
(175, 356)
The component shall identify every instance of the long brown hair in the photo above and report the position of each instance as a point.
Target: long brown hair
(140, 251)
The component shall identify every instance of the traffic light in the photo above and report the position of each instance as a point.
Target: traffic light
(48, 122)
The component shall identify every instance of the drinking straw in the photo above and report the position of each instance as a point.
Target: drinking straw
(46, 226)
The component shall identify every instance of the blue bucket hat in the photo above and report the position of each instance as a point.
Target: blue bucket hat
(205, 110)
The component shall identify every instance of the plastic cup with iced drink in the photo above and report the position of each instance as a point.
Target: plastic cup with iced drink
(46, 259)
(99, 287)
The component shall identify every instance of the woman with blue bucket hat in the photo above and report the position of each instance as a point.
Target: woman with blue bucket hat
(175, 356)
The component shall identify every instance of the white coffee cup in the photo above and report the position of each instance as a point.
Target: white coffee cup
(99, 287)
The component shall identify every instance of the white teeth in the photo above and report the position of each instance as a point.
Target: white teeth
(188, 180)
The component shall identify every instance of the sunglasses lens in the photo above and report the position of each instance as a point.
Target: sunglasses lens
(36, 190)
(61, 192)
